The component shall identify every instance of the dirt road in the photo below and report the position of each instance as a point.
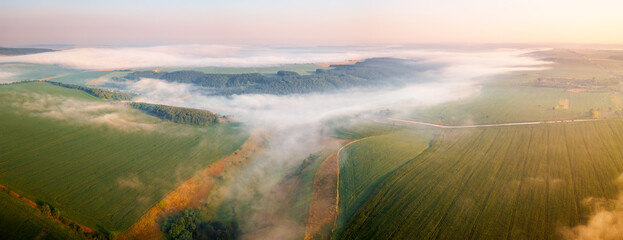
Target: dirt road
(490, 125)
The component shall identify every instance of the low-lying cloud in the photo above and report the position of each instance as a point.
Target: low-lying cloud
(606, 223)
(247, 56)
(80, 111)
(295, 122)
(6, 77)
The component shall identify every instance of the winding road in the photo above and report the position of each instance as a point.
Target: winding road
(490, 125)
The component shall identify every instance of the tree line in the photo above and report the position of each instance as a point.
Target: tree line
(177, 114)
(100, 93)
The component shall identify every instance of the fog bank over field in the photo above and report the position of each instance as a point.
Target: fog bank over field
(606, 221)
(295, 122)
(5, 77)
(98, 58)
(458, 79)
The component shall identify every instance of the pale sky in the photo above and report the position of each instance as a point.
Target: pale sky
(119, 22)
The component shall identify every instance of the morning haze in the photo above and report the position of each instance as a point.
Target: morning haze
(308, 22)
(311, 120)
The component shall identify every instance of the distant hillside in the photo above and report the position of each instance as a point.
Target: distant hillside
(178, 114)
(372, 72)
(23, 51)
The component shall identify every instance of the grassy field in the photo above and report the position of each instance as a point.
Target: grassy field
(84, 78)
(20, 221)
(352, 128)
(520, 182)
(17, 72)
(101, 164)
(502, 104)
(365, 163)
(584, 79)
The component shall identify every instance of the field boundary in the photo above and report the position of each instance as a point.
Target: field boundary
(36, 206)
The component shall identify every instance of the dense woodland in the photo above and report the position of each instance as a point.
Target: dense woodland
(177, 114)
(103, 94)
(372, 72)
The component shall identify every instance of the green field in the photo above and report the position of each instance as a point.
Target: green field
(519, 182)
(352, 129)
(84, 78)
(20, 221)
(101, 164)
(365, 163)
(519, 96)
(18, 72)
(513, 182)
(503, 104)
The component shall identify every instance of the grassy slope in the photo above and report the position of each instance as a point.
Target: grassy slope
(20, 221)
(97, 174)
(365, 163)
(494, 183)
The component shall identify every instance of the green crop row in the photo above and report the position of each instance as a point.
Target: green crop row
(519, 182)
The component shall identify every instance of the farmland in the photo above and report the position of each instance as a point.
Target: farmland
(501, 182)
(573, 83)
(502, 104)
(365, 163)
(102, 164)
(352, 129)
(18, 72)
(510, 182)
(114, 168)
(20, 221)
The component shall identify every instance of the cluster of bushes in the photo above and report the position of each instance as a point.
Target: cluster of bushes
(177, 114)
(306, 162)
(188, 225)
(103, 94)
(371, 72)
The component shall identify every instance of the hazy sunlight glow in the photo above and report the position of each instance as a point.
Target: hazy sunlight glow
(310, 22)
